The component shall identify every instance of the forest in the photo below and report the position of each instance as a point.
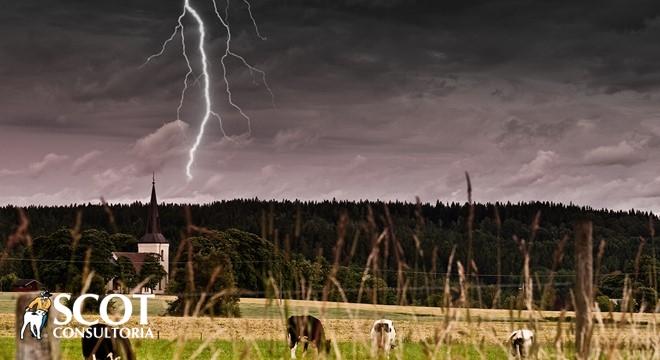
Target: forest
(386, 252)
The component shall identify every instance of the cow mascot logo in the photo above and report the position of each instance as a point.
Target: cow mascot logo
(36, 314)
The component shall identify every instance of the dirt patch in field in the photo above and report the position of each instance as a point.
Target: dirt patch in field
(491, 332)
(352, 322)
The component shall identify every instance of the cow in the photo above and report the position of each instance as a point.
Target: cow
(382, 336)
(521, 342)
(100, 343)
(306, 329)
(33, 320)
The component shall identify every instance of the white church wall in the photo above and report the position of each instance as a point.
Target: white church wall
(163, 251)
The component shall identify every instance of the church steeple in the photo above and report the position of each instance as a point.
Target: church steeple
(153, 232)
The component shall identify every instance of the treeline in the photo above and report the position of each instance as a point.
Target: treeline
(413, 241)
(69, 260)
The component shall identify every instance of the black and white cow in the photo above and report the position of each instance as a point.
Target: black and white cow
(521, 342)
(100, 343)
(382, 336)
(306, 329)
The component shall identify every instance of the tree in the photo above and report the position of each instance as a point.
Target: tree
(311, 229)
(612, 284)
(124, 242)
(152, 271)
(54, 260)
(604, 303)
(253, 258)
(204, 284)
(100, 248)
(304, 276)
(126, 273)
(73, 262)
(90, 261)
(6, 281)
(646, 296)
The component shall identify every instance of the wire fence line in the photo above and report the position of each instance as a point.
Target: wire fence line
(346, 290)
(544, 274)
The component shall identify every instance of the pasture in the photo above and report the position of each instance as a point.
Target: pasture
(259, 333)
(262, 349)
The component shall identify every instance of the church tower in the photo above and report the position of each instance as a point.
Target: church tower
(153, 240)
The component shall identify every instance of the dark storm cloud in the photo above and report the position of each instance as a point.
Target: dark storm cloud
(373, 99)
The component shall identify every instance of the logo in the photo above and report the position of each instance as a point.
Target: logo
(36, 315)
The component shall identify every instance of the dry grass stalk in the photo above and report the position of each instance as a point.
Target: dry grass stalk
(527, 286)
(20, 236)
(470, 235)
(654, 270)
(399, 258)
(557, 257)
(642, 241)
(111, 216)
(372, 263)
(498, 224)
(583, 287)
(462, 298)
(599, 258)
(339, 246)
(209, 285)
(446, 298)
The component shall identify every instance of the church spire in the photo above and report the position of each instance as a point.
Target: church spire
(153, 231)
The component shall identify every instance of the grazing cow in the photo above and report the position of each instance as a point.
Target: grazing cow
(100, 343)
(306, 329)
(521, 342)
(382, 336)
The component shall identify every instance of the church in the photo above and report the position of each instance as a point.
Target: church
(152, 242)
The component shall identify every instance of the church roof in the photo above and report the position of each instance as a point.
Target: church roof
(154, 238)
(153, 233)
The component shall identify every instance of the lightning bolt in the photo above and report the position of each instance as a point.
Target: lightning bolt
(205, 74)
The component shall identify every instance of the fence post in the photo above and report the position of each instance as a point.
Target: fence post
(583, 287)
(48, 348)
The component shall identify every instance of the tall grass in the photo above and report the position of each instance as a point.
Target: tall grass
(461, 329)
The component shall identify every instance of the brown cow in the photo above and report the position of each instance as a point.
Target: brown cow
(306, 329)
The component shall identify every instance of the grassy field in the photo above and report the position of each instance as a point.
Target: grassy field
(263, 349)
(471, 333)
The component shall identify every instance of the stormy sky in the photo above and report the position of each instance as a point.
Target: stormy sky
(538, 100)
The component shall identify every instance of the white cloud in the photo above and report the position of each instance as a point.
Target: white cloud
(292, 139)
(624, 153)
(85, 161)
(269, 171)
(357, 162)
(37, 168)
(534, 170)
(64, 196)
(49, 161)
(233, 142)
(213, 184)
(9, 172)
(157, 148)
(113, 181)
